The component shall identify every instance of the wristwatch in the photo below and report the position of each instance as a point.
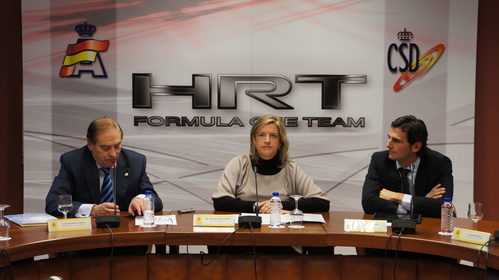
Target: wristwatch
(255, 207)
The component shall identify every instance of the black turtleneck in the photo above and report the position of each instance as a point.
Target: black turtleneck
(268, 166)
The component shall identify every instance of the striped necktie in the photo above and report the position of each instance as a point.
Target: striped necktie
(106, 193)
(405, 186)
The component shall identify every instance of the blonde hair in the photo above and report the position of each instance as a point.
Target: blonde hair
(282, 152)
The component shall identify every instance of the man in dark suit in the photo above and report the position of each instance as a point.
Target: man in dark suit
(84, 173)
(427, 173)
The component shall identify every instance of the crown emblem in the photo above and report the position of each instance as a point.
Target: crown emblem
(85, 30)
(405, 35)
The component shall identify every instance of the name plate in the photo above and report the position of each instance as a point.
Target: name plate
(201, 220)
(357, 225)
(213, 229)
(471, 236)
(69, 224)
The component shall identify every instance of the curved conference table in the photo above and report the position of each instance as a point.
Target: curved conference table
(28, 242)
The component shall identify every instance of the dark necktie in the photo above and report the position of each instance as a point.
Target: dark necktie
(404, 186)
(106, 192)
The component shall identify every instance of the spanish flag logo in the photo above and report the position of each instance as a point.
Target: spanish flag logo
(84, 52)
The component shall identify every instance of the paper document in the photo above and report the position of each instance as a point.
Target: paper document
(158, 220)
(30, 219)
(358, 225)
(313, 218)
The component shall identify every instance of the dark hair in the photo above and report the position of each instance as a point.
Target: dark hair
(100, 124)
(415, 129)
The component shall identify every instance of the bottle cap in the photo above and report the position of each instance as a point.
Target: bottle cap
(275, 194)
(447, 199)
(148, 192)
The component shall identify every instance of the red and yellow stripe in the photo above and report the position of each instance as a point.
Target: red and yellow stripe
(83, 51)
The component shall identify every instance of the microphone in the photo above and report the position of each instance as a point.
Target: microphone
(408, 226)
(411, 190)
(113, 176)
(55, 277)
(111, 221)
(252, 221)
(255, 170)
(414, 217)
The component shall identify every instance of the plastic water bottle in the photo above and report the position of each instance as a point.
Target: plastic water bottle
(447, 217)
(148, 210)
(275, 211)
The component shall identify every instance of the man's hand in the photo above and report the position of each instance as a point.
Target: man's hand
(136, 206)
(436, 192)
(391, 196)
(106, 208)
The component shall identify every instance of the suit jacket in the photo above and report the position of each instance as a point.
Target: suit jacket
(79, 177)
(434, 168)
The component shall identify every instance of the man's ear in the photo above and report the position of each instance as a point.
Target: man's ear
(90, 145)
(416, 147)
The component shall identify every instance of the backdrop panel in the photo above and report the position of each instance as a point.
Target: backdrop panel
(185, 78)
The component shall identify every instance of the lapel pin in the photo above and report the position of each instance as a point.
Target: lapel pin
(126, 174)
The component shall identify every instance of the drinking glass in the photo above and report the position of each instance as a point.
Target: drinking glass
(65, 204)
(4, 225)
(296, 216)
(475, 212)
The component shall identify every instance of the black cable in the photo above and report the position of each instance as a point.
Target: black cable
(254, 249)
(112, 252)
(219, 248)
(396, 254)
(492, 243)
(487, 244)
(386, 254)
(7, 268)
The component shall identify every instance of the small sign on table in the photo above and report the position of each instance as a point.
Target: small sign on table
(69, 224)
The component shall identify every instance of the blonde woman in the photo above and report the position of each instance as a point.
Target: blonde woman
(275, 173)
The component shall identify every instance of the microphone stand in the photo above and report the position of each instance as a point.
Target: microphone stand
(111, 221)
(407, 225)
(252, 221)
(413, 217)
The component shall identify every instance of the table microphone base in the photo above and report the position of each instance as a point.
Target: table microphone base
(408, 226)
(104, 221)
(250, 221)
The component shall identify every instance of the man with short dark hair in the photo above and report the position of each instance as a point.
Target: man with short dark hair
(85, 174)
(407, 167)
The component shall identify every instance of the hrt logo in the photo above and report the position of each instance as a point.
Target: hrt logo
(414, 65)
(264, 88)
(84, 54)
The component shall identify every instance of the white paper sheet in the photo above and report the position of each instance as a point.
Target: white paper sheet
(159, 220)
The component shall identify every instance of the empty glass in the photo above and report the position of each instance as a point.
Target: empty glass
(4, 225)
(296, 216)
(65, 204)
(475, 212)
